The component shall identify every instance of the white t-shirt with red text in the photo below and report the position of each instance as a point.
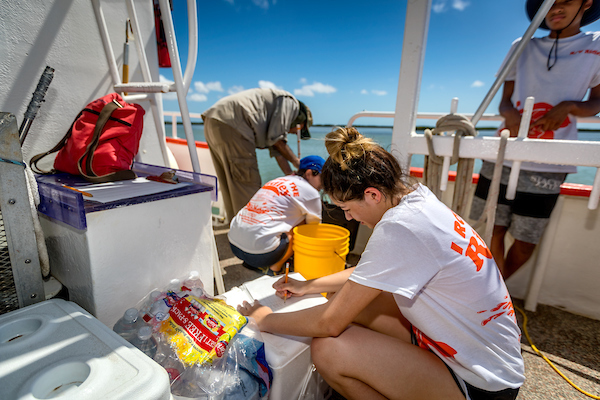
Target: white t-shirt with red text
(277, 207)
(447, 285)
(575, 70)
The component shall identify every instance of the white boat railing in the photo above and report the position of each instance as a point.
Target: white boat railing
(566, 152)
(176, 114)
(148, 89)
(405, 139)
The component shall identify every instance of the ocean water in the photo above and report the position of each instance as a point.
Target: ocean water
(382, 135)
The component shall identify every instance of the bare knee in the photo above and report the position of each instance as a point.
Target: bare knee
(321, 351)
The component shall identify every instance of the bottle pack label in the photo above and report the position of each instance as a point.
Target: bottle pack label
(199, 330)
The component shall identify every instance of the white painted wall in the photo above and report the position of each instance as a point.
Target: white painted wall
(64, 35)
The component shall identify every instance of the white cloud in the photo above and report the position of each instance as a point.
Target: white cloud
(303, 81)
(202, 87)
(163, 79)
(268, 85)
(215, 86)
(477, 84)
(235, 89)
(264, 4)
(170, 95)
(460, 5)
(315, 87)
(197, 97)
(375, 92)
(440, 6)
(229, 1)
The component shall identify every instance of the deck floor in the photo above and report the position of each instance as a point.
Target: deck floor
(571, 342)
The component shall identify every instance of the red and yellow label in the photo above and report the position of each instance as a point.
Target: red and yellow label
(199, 330)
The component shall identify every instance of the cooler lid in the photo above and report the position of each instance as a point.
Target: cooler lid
(68, 198)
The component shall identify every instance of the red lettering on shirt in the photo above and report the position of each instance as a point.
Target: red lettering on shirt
(456, 248)
(283, 187)
(476, 248)
(460, 228)
(261, 205)
(586, 51)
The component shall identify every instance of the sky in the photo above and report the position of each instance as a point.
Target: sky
(343, 57)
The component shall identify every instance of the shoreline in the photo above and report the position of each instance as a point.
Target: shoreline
(418, 127)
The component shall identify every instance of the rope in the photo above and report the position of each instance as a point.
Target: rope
(488, 216)
(433, 163)
(34, 202)
(546, 359)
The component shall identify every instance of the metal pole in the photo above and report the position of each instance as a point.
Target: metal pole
(535, 23)
(36, 102)
(411, 70)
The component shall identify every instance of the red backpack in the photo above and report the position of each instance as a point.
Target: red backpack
(101, 143)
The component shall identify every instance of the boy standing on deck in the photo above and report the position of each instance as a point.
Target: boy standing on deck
(557, 71)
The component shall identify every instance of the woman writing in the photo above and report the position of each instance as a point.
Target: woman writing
(425, 314)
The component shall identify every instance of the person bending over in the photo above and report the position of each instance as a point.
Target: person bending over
(425, 314)
(261, 233)
(252, 119)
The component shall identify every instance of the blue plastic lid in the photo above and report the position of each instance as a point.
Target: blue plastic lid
(71, 207)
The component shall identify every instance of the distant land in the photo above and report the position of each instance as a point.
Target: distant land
(418, 128)
(483, 128)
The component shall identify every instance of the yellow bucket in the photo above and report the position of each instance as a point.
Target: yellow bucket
(320, 249)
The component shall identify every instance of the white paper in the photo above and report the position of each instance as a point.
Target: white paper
(261, 289)
(114, 191)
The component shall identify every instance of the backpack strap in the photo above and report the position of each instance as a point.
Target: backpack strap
(103, 118)
(35, 159)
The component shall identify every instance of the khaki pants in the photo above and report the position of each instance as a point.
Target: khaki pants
(234, 158)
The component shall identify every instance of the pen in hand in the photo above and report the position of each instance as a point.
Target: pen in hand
(287, 271)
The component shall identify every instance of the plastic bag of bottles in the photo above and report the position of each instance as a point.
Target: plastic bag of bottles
(205, 345)
(241, 374)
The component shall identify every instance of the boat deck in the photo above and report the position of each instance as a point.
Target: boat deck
(571, 342)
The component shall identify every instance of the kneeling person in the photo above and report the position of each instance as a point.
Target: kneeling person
(261, 232)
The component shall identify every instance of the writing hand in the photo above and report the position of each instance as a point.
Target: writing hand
(292, 288)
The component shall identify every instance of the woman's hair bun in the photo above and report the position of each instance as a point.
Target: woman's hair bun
(345, 144)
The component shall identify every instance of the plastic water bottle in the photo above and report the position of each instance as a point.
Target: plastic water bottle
(128, 325)
(145, 341)
(194, 284)
(171, 364)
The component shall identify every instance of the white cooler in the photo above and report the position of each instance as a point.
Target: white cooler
(294, 376)
(55, 349)
(111, 253)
